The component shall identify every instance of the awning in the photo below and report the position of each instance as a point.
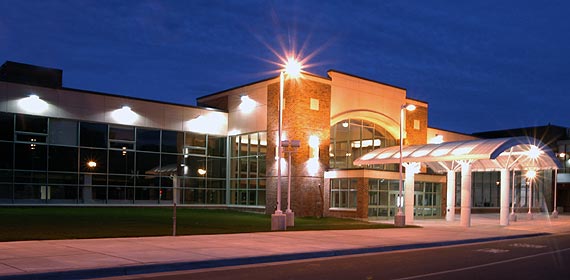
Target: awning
(514, 153)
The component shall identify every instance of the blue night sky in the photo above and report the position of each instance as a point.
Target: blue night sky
(481, 66)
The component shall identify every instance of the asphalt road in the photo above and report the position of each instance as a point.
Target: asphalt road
(544, 257)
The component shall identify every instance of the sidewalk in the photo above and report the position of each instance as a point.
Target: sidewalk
(85, 258)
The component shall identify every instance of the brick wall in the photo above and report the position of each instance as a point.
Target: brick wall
(299, 123)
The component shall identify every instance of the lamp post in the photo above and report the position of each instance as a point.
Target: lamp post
(292, 69)
(555, 211)
(400, 218)
(291, 147)
(530, 175)
(513, 216)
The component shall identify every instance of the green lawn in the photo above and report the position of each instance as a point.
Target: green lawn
(35, 223)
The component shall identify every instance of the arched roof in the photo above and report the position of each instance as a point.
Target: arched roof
(514, 153)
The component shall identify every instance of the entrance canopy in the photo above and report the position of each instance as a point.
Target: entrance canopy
(514, 153)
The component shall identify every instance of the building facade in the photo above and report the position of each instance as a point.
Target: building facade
(76, 147)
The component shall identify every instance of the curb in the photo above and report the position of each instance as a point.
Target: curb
(178, 266)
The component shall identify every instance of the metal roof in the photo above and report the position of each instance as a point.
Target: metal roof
(514, 153)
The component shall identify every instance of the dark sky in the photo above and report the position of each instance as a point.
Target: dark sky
(481, 66)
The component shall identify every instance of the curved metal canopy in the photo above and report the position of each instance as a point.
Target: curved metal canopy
(514, 153)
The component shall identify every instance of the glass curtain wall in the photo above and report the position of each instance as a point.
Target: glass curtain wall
(247, 173)
(47, 160)
(486, 189)
(352, 138)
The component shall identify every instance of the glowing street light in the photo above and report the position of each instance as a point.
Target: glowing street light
(400, 218)
(293, 69)
(530, 176)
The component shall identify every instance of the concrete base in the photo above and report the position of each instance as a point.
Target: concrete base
(400, 220)
(530, 216)
(278, 222)
(513, 217)
(554, 214)
(290, 218)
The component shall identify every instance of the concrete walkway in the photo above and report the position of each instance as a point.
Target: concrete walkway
(89, 258)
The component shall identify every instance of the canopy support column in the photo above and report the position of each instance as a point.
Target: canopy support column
(505, 184)
(465, 193)
(412, 168)
(450, 213)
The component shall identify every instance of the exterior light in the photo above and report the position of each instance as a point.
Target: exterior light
(345, 124)
(561, 155)
(293, 68)
(201, 171)
(314, 147)
(409, 107)
(531, 174)
(400, 218)
(125, 115)
(247, 104)
(33, 104)
(534, 152)
(91, 164)
(437, 139)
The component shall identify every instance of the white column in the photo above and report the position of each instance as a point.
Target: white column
(411, 169)
(505, 184)
(465, 194)
(450, 213)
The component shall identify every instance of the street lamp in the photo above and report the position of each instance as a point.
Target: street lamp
(400, 218)
(292, 69)
(530, 176)
(291, 147)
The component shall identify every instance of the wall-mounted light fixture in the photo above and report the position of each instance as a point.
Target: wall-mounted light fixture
(247, 104)
(314, 147)
(33, 104)
(437, 139)
(125, 115)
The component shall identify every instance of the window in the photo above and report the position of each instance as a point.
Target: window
(63, 158)
(63, 132)
(93, 135)
(352, 138)
(6, 127)
(7, 153)
(247, 175)
(31, 124)
(172, 141)
(343, 193)
(30, 156)
(148, 140)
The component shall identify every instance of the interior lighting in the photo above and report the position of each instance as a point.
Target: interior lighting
(533, 152)
(91, 164)
(247, 104)
(124, 115)
(33, 104)
(201, 171)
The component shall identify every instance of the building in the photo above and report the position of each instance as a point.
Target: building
(558, 139)
(76, 147)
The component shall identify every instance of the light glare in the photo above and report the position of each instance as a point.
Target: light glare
(124, 115)
(33, 104)
(293, 67)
